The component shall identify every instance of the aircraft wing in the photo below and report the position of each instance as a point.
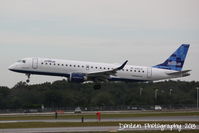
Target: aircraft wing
(104, 75)
(180, 73)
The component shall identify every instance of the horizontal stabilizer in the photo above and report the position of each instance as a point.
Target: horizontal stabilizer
(180, 73)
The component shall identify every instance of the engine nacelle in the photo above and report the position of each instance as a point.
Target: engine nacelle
(77, 77)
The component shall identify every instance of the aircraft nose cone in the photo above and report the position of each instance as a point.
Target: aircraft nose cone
(12, 67)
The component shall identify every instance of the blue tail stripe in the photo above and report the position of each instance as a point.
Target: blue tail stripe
(176, 60)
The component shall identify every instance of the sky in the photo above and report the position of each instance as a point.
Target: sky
(145, 32)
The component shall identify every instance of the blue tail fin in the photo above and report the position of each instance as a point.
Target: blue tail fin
(176, 60)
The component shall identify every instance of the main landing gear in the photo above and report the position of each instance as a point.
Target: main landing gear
(97, 86)
(28, 80)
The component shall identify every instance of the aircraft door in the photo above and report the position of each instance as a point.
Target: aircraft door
(35, 63)
(149, 72)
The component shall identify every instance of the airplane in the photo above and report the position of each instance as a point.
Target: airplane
(81, 71)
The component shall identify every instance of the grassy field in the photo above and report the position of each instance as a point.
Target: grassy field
(93, 115)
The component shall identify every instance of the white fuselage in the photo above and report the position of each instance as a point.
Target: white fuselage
(58, 67)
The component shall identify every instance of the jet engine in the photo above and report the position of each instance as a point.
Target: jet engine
(77, 77)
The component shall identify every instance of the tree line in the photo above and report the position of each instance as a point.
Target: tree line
(64, 94)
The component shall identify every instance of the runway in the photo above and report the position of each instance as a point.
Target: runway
(147, 118)
(91, 129)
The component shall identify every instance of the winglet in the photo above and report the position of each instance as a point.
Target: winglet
(122, 66)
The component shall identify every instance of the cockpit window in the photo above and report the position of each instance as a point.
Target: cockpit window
(22, 61)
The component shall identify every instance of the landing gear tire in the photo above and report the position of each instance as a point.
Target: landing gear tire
(97, 86)
(28, 80)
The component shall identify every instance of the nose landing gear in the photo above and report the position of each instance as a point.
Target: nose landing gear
(28, 80)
